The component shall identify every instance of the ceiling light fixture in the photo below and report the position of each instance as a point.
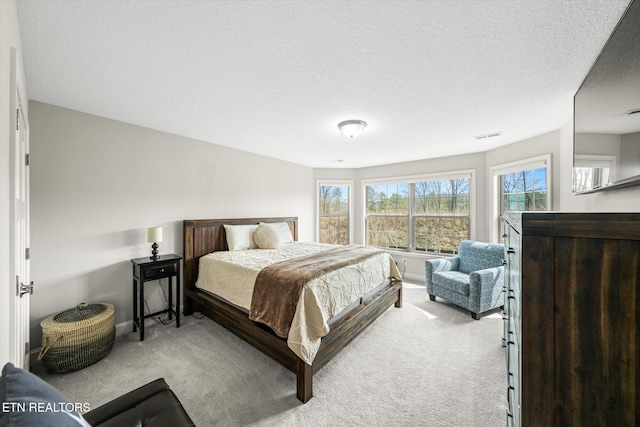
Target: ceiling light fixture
(352, 128)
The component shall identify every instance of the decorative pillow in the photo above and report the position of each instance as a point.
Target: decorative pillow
(240, 237)
(29, 401)
(267, 236)
(283, 231)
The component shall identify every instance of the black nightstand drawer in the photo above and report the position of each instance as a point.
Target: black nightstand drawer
(159, 271)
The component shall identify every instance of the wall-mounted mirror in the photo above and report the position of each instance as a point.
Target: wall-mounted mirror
(606, 149)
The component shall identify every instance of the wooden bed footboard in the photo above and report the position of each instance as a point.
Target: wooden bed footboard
(205, 236)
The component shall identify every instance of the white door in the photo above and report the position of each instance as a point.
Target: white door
(19, 210)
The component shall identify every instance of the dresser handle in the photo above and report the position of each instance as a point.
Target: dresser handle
(509, 386)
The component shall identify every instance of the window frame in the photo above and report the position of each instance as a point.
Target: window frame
(412, 179)
(495, 172)
(336, 183)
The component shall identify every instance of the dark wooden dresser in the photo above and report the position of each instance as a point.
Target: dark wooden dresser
(572, 319)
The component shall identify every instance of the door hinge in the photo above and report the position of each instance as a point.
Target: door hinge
(26, 348)
(27, 159)
(18, 119)
(27, 253)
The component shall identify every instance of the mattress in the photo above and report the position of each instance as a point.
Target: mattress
(231, 275)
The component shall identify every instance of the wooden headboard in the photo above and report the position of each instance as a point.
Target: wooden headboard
(203, 236)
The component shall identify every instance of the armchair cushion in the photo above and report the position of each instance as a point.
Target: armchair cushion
(455, 281)
(439, 265)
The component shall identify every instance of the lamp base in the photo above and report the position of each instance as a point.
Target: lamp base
(154, 253)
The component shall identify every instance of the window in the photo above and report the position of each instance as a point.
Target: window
(524, 190)
(388, 215)
(420, 214)
(592, 171)
(334, 207)
(520, 186)
(442, 215)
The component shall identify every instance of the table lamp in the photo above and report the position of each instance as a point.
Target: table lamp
(154, 235)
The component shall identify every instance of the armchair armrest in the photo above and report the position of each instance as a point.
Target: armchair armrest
(485, 288)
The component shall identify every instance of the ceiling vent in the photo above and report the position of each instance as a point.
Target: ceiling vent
(488, 135)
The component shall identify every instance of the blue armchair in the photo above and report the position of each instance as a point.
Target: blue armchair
(473, 279)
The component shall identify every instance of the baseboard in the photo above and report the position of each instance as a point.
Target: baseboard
(415, 278)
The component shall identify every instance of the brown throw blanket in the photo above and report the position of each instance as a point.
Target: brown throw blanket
(278, 286)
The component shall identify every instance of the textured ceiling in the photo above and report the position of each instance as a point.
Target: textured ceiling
(276, 77)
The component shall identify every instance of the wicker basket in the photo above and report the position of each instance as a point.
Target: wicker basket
(76, 338)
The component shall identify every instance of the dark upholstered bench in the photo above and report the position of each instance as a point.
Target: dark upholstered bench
(152, 405)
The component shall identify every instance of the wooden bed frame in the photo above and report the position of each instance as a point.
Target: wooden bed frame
(207, 235)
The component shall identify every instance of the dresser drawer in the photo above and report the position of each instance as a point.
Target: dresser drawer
(152, 272)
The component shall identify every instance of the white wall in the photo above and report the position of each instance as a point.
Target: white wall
(630, 155)
(97, 184)
(598, 144)
(9, 38)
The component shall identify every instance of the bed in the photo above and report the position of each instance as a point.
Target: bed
(206, 236)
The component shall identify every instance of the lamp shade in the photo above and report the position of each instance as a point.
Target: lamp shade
(154, 234)
(352, 128)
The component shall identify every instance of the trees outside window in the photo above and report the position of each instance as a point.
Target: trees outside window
(388, 215)
(524, 190)
(334, 205)
(442, 215)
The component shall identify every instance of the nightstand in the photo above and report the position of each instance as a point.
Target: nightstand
(144, 270)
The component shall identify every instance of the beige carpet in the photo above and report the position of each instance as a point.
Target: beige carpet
(426, 364)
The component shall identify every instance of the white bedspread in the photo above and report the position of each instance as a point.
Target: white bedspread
(232, 276)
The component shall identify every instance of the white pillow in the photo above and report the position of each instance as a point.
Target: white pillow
(240, 237)
(267, 236)
(283, 231)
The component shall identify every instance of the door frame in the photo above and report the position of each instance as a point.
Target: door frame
(19, 233)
